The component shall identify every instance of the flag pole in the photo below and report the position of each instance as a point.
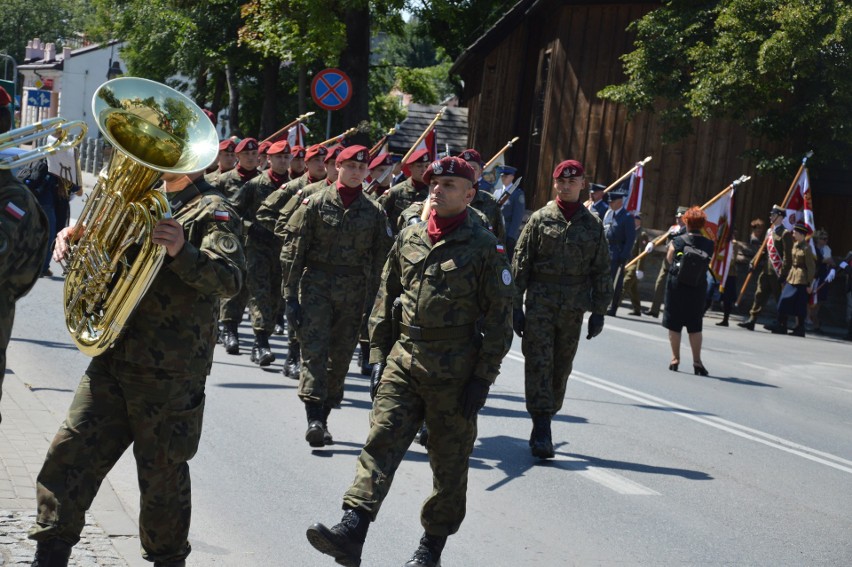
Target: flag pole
(657, 241)
(340, 137)
(374, 151)
(760, 250)
(502, 151)
(424, 134)
(287, 127)
(615, 183)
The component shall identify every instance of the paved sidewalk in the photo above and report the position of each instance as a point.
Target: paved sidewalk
(110, 538)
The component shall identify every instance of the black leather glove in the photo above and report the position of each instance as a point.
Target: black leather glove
(519, 321)
(375, 378)
(596, 322)
(473, 396)
(293, 311)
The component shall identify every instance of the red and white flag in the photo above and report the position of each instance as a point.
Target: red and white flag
(637, 186)
(430, 142)
(719, 228)
(296, 135)
(800, 206)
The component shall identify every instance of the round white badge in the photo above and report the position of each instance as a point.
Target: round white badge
(507, 277)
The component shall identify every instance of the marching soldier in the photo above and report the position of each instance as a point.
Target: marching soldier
(483, 200)
(562, 263)
(400, 196)
(262, 249)
(337, 244)
(262, 158)
(779, 257)
(598, 205)
(23, 241)
(148, 389)
(620, 231)
(297, 166)
(447, 275)
(634, 273)
(513, 208)
(677, 229)
(231, 310)
(226, 161)
(380, 171)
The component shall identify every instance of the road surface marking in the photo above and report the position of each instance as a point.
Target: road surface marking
(756, 367)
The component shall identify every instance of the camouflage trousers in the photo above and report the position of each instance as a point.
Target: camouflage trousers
(422, 381)
(7, 317)
(117, 405)
(768, 285)
(551, 335)
(233, 308)
(263, 282)
(631, 287)
(660, 288)
(332, 309)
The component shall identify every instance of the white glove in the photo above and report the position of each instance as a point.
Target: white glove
(640, 274)
(649, 248)
(843, 265)
(830, 276)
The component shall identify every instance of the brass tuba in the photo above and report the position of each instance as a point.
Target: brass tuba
(153, 129)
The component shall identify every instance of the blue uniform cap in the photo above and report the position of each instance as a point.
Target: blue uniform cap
(507, 169)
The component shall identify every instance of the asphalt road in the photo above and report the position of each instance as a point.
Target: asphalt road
(750, 466)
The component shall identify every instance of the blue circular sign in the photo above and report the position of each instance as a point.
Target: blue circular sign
(331, 89)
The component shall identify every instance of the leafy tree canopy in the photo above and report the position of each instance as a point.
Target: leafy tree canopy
(781, 68)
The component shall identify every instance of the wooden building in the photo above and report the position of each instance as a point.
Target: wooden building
(450, 131)
(536, 74)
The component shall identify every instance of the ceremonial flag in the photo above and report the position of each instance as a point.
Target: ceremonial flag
(800, 206)
(719, 228)
(430, 142)
(636, 187)
(296, 135)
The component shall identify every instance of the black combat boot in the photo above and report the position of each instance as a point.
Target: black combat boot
(778, 327)
(279, 324)
(428, 553)
(219, 328)
(52, 553)
(327, 439)
(364, 358)
(315, 433)
(229, 338)
(291, 365)
(747, 324)
(261, 352)
(343, 541)
(179, 563)
(542, 441)
(799, 331)
(422, 436)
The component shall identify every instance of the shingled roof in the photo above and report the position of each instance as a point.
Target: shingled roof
(451, 129)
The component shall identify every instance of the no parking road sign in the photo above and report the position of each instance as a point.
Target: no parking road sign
(331, 89)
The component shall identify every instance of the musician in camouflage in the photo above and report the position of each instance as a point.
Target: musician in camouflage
(402, 195)
(455, 288)
(23, 242)
(148, 389)
(562, 264)
(338, 240)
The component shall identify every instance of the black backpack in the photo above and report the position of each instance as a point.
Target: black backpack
(692, 265)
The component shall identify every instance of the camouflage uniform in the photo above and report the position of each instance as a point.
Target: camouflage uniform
(564, 268)
(400, 197)
(271, 208)
(148, 390)
(412, 215)
(769, 282)
(487, 205)
(334, 254)
(446, 289)
(23, 247)
(631, 282)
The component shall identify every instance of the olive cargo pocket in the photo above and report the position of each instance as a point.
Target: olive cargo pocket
(184, 431)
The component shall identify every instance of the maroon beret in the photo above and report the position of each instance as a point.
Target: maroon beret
(380, 160)
(333, 151)
(569, 168)
(209, 115)
(4, 97)
(227, 145)
(247, 145)
(420, 156)
(450, 167)
(354, 153)
(315, 151)
(263, 147)
(282, 147)
(298, 152)
(471, 155)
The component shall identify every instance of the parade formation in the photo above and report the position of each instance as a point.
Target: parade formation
(427, 278)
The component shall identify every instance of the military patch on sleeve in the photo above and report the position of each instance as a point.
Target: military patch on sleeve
(14, 211)
(501, 249)
(506, 276)
(222, 216)
(305, 201)
(228, 243)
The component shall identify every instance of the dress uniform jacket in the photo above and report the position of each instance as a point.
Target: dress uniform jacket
(803, 265)
(513, 212)
(620, 231)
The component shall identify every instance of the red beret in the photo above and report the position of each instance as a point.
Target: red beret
(227, 145)
(333, 151)
(569, 168)
(298, 152)
(282, 147)
(420, 156)
(209, 115)
(4, 97)
(471, 155)
(450, 167)
(263, 147)
(316, 150)
(380, 160)
(354, 153)
(246, 145)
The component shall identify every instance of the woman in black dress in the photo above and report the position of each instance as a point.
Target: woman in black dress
(685, 303)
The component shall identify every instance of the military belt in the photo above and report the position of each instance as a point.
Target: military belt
(554, 279)
(334, 269)
(416, 333)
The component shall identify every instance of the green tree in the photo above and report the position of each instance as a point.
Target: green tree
(23, 20)
(455, 24)
(782, 69)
